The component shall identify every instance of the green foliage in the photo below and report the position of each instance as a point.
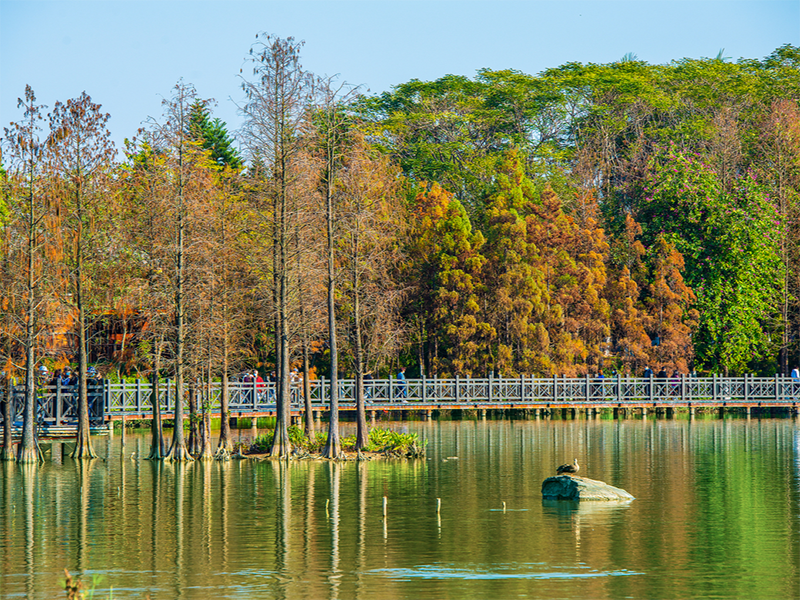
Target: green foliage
(212, 134)
(730, 240)
(380, 440)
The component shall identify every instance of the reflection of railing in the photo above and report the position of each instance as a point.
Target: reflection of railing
(58, 404)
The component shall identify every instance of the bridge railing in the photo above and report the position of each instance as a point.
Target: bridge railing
(58, 404)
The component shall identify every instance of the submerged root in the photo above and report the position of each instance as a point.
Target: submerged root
(8, 454)
(29, 455)
(222, 453)
(83, 452)
(179, 454)
(205, 453)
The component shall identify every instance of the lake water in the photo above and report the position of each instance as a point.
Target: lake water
(716, 515)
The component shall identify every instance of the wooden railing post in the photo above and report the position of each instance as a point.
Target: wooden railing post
(777, 387)
(457, 390)
(491, 380)
(58, 406)
(588, 389)
(169, 393)
(138, 396)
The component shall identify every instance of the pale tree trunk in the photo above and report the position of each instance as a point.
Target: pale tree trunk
(206, 452)
(8, 417)
(178, 450)
(83, 442)
(333, 449)
(280, 444)
(224, 447)
(309, 415)
(362, 433)
(156, 427)
(27, 451)
(194, 431)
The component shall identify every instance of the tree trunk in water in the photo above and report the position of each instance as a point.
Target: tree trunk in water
(362, 433)
(178, 450)
(206, 453)
(194, 432)
(280, 442)
(156, 427)
(27, 451)
(309, 415)
(224, 446)
(8, 418)
(333, 449)
(83, 441)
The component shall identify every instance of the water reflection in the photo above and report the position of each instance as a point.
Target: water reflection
(717, 512)
(594, 512)
(334, 575)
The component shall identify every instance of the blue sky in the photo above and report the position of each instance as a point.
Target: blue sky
(127, 55)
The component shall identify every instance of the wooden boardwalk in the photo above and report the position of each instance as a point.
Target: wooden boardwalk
(109, 402)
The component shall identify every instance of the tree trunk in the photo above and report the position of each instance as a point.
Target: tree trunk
(156, 427)
(224, 446)
(205, 452)
(178, 450)
(8, 420)
(280, 442)
(362, 433)
(83, 442)
(333, 448)
(27, 451)
(194, 431)
(309, 415)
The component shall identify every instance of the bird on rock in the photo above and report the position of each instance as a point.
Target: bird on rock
(573, 468)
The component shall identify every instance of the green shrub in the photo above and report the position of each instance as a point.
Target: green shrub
(384, 441)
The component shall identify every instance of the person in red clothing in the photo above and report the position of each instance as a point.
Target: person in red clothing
(261, 386)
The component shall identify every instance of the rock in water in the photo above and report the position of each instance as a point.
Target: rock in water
(569, 487)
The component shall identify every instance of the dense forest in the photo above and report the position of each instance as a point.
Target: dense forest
(589, 218)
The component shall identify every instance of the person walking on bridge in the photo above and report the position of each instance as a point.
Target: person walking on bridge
(402, 384)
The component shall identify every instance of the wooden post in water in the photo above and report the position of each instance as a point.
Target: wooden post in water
(254, 427)
(644, 412)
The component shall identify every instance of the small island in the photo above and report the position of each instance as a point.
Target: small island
(571, 487)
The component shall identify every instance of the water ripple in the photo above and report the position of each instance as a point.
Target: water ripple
(497, 572)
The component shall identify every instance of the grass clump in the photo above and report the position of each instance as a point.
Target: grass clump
(381, 441)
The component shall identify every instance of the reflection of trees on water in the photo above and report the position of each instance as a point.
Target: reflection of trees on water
(283, 517)
(177, 471)
(334, 575)
(361, 562)
(225, 468)
(83, 470)
(309, 527)
(156, 468)
(28, 471)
